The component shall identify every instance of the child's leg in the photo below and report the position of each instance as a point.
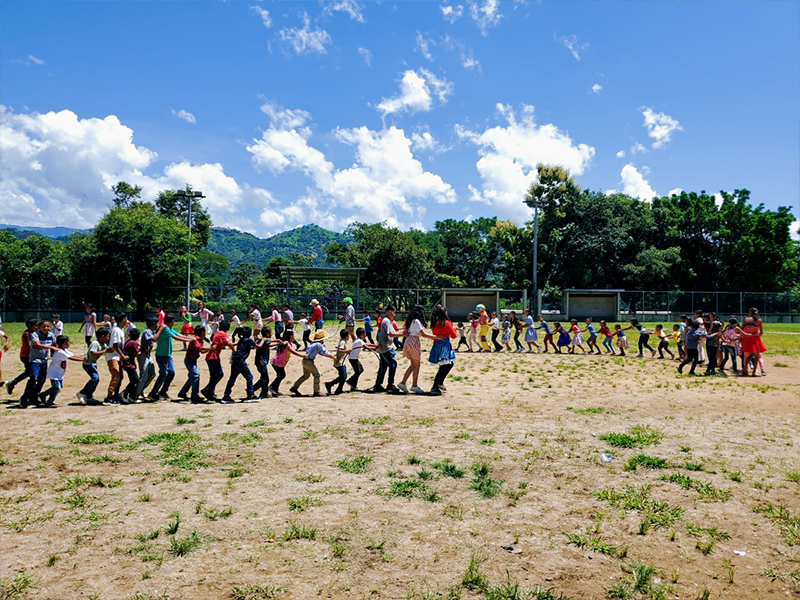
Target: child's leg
(133, 383)
(341, 378)
(248, 378)
(415, 373)
(231, 380)
(280, 375)
(52, 393)
(661, 347)
(441, 374)
(94, 381)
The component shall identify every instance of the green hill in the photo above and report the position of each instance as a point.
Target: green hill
(308, 240)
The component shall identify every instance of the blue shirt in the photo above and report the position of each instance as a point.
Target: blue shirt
(367, 324)
(315, 349)
(590, 329)
(544, 326)
(243, 349)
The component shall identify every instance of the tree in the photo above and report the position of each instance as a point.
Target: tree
(177, 207)
(125, 193)
(468, 251)
(516, 254)
(26, 264)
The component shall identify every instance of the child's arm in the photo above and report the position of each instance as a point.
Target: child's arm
(81, 327)
(39, 346)
(77, 358)
(183, 338)
(296, 353)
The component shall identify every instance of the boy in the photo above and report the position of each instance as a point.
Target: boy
(306, 330)
(193, 352)
(262, 362)
(89, 324)
(160, 315)
(147, 370)
(462, 338)
(316, 348)
(131, 351)
(58, 326)
(349, 317)
(367, 328)
(42, 341)
(622, 339)
(342, 351)
(114, 357)
(239, 367)
(388, 362)
(693, 337)
(166, 371)
(663, 342)
(56, 370)
(355, 350)
(106, 322)
(31, 325)
(219, 342)
(592, 341)
(95, 351)
(288, 326)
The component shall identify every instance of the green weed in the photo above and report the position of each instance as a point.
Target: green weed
(94, 438)
(357, 464)
(648, 462)
(303, 503)
(638, 436)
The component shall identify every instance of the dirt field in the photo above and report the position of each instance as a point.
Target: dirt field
(360, 496)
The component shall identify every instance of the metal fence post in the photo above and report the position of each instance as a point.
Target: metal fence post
(740, 305)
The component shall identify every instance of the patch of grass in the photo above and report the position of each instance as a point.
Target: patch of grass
(449, 468)
(705, 489)
(375, 420)
(235, 439)
(596, 544)
(706, 547)
(787, 523)
(255, 591)
(52, 560)
(356, 464)
(174, 524)
(104, 458)
(259, 423)
(591, 410)
(639, 583)
(181, 449)
(407, 488)
(793, 475)
(236, 472)
(712, 532)
(655, 513)
(482, 482)
(686, 448)
(184, 421)
(185, 545)
(638, 436)
(310, 478)
(299, 532)
(303, 503)
(17, 588)
(213, 514)
(150, 535)
(648, 462)
(690, 466)
(414, 460)
(94, 438)
(473, 578)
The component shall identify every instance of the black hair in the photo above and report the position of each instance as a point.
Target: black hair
(281, 346)
(344, 334)
(151, 322)
(89, 306)
(246, 332)
(61, 340)
(31, 323)
(55, 316)
(733, 321)
(287, 307)
(417, 312)
(635, 322)
(302, 315)
(225, 326)
(715, 327)
(199, 330)
(693, 324)
(253, 306)
(388, 308)
(660, 326)
(753, 311)
(439, 316)
(360, 331)
(573, 321)
(266, 332)
(106, 317)
(121, 317)
(103, 332)
(169, 318)
(684, 317)
(134, 334)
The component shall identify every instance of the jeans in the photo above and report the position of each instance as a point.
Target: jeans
(215, 375)
(48, 397)
(263, 380)
(712, 358)
(728, 352)
(319, 324)
(357, 371)
(441, 374)
(309, 370)
(341, 377)
(37, 374)
(147, 372)
(497, 346)
(608, 344)
(681, 350)
(94, 380)
(306, 338)
(280, 375)
(517, 343)
(115, 369)
(133, 384)
(193, 378)
(369, 337)
(643, 339)
(25, 373)
(691, 357)
(239, 367)
(278, 329)
(388, 362)
(166, 373)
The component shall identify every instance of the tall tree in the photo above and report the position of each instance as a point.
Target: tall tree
(169, 204)
(125, 193)
(468, 251)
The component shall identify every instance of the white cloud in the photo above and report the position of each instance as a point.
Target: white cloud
(366, 55)
(509, 155)
(634, 184)
(423, 46)
(468, 61)
(638, 148)
(718, 199)
(621, 154)
(349, 7)
(596, 88)
(264, 14)
(675, 192)
(660, 126)
(385, 183)
(570, 42)
(306, 40)
(285, 118)
(423, 141)
(486, 14)
(184, 115)
(451, 13)
(794, 230)
(416, 93)
(37, 61)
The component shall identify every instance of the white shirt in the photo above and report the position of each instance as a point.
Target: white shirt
(358, 344)
(58, 328)
(495, 323)
(88, 327)
(117, 337)
(304, 322)
(256, 317)
(236, 321)
(59, 364)
(415, 328)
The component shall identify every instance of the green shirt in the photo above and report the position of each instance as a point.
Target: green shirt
(164, 343)
(95, 346)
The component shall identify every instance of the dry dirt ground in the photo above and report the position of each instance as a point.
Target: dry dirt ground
(361, 496)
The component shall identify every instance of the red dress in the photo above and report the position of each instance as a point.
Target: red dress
(752, 345)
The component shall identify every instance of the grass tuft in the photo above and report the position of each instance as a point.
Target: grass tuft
(638, 436)
(648, 462)
(357, 464)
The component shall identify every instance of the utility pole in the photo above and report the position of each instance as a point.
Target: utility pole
(189, 197)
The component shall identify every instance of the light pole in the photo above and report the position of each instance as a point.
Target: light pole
(531, 200)
(189, 197)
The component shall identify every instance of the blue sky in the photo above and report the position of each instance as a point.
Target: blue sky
(286, 113)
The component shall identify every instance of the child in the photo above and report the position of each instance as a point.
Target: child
(96, 349)
(367, 328)
(342, 352)
(663, 343)
(114, 358)
(147, 370)
(316, 348)
(279, 360)
(42, 341)
(89, 324)
(608, 340)
(564, 339)
(463, 338)
(515, 321)
(304, 321)
(106, 323)
(577, 338)
(442, 353)
(692, 338)
(219, 342)
(235, 321)
(277, 319)
(262, 362)
(161, 314)
(239, 367)
(193, 352)
(4, 349)
(56, 370)
(186, 323)
(712, 346)
(204, 314)
(31, 325)
(682, 339)
(730, 341)
(622, 339)
(592, 341)
(166, 371)
(644, 337)
(412, 349)
(355, 350)
(255, 316)
(58, 326)
(387, 360)
(473, 331)
(130, 353)
(701, 327)
(483, 323)
(505, 325)
(548, 335)
(530, 332)
(494, 325)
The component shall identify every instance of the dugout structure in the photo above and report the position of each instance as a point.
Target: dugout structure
(459, 302)
(343, 275)
(598, 304)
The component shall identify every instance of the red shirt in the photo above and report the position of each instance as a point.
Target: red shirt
(130, 351)
(317, 314)
(25, 351)
(606, 331)
(446, 330)
(218, 342)
(161, 315)
(193, 351)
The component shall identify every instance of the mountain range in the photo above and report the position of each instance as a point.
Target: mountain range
(238, 246)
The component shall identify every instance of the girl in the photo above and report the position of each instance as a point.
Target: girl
(506, 327)
(682, 340)
(622, 339)
(548, 335)
(577, 338)
(730, 343)
(692, 338)
(563, 337)
(663, 342)
(530, 333)
(701, 327)
(473, 331)
(186, 323)
(515, 321)
(204, 314)
(712, 346)
(608, 340)
(413, 329)
(463, 338)
(442, 352)
(592, 341)
(283, 352)
(644, 338)
(217, 321)
(752, 345)
(89, 324)
(494, 324)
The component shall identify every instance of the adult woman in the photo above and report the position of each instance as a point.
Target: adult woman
(752, 345)
(412, 350)
(442, 351)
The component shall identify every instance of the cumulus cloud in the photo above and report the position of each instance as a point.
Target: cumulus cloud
(417, 91)
(638, 148)
(634, 184)
(264, 14)
(675, 192)
(571, 43)
(34, 60)
(185, 115)
(423, 141)
(621, 154)
(794, 230)
(451, 13)
(596, 88)
(385, 183)
(349, 7)
(510, 153)
(306, 40)
(366, 55)
(660, 126)
(486, 14)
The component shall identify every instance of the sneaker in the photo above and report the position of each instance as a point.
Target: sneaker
(328, 387)
(354, 388)
(81, 398)
(251, 399)
(9, 387)
(227, 400)
(417, 390)
(402, 387)
(198, 400)
(164, 395)
(318, 395)
(652, 353)
(93, 402)
(126, 399)
(111, 402)
(207, 395)
(376, 389)
(275, 393)
(435, 392)
(295, 392)
(640, 356)
(152, 397)
(183, 396)
(392, 389)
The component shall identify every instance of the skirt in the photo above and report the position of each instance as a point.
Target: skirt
(411, 348)
(563, 339)
(752, 345)
(506, 337)
(577, 340)
(622, 342)
(530, 335)
(442, 353)
(187, 327)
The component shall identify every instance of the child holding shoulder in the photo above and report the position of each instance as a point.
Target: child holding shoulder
(462, 338)
(97, 348)
(56, 371)
(355, 364)
(262, 362)
(592, 341)
(342, 352)
(663, 342)
(622, 339)
(239, 367)
(608, 340)
(577, 338)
